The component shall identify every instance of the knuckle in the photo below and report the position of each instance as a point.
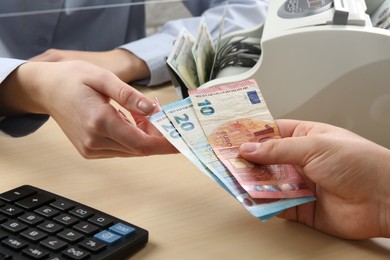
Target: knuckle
(96, 123)
(90, 144)
(53, 54)
(142, 149)
(102, 76)
(125, 94)
(85, 152)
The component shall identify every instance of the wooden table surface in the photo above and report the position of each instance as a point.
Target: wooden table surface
(188, 215)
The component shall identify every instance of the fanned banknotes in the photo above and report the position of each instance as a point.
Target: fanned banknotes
(209, 127)
(183, 118)
(236, 113)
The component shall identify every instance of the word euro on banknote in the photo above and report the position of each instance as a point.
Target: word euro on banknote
(236, 113)
(183, 118)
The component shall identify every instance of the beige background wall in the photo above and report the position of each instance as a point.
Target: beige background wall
(158, 13)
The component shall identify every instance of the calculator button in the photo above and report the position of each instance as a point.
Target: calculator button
(33, 235)
(31, 219)
(50, 227)
(47, 211)
(34, 201)
(62, 204)
(122, 229)
(70, 235)
(14, 226)
(17, 194)
(107, 237)
(66, 219)
(14, 243)
(75, 253)
(11, 210)
(37, 224)
(92, 245)
(100, 221)
(35, 252)
(53, 243)
(81, 213)
(86, 228)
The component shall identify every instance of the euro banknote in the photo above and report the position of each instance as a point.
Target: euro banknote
(182, 116)
(236, 113)
(203, 52)
(181, 60)
(162, 123)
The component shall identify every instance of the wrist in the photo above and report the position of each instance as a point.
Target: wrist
(19, 94)
(132, 67)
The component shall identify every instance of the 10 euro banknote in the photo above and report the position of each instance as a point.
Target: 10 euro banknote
(181, 125)
(237, 113)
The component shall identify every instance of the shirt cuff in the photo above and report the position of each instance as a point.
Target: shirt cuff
(153, 50)
(18, 126)
(7, 66)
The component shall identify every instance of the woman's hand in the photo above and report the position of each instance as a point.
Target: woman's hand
(77, 95)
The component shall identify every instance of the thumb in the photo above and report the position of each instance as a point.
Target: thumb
(292, 150)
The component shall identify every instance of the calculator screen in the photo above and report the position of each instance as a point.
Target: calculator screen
(301, 8)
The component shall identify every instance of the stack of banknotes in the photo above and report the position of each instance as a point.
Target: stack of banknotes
(208, 128)
(195, 61)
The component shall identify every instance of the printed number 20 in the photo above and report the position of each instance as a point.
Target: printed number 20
(186, 126)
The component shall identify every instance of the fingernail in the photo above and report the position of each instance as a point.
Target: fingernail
(147, 106)
(249, 147)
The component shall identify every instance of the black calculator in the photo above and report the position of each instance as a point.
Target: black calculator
(37, 224)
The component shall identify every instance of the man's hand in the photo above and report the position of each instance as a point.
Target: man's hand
(124, 64)
(349, 175)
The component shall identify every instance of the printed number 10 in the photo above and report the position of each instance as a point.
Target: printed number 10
(206, 108)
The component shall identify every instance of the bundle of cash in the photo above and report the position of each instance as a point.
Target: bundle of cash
(208, 128)
(195, 61)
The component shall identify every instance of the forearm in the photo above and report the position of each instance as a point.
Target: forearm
(131, 68)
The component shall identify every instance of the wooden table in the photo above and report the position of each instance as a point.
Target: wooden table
(188, 215)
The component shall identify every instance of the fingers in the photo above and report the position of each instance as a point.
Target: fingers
(126, 141)
(137, 140)
(287, 127)
(50, 55)
(295, 151)
(126, 96)
(297, 146)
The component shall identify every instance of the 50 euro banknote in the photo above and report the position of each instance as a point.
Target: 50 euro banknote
(236, 113)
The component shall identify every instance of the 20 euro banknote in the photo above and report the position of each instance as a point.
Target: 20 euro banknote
(236, 113)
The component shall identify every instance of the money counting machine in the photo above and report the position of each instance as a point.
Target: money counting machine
(323, 60)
